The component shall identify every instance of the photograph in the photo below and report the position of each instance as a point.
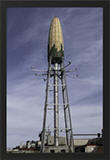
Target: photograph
(54, 99)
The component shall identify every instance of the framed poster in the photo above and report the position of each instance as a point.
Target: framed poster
(54, 80)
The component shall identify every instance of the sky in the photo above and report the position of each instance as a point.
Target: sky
(27, 41)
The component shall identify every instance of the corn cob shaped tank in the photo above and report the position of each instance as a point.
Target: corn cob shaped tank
(55, 42)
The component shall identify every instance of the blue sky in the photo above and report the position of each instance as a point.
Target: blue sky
(27, 40)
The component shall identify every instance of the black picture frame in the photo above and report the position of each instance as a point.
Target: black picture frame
(106, 78)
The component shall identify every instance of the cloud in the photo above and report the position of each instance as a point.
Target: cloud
(87, 118)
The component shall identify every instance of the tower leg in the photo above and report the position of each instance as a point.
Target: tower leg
(45, 109)
(67, 116)
(56, 106)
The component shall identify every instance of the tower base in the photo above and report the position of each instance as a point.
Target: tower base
(55, 149)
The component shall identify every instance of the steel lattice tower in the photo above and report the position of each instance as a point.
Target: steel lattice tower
(56, 71)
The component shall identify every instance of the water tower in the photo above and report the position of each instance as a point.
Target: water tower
(57, 75)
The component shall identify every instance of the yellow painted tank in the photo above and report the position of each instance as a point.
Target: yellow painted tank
(55, 41)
